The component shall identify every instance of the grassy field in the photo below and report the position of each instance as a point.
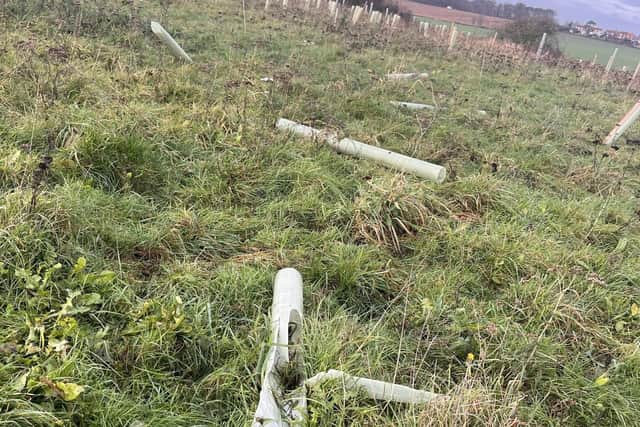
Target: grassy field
(571, 45)
(585, 48)
(147, 205)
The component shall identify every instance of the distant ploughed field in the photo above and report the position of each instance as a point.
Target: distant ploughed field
(457, 16)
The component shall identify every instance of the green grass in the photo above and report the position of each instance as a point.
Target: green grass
(585, 48)
(147, 205)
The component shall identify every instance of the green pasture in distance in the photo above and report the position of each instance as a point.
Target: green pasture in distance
(571, 45)
(585, 48)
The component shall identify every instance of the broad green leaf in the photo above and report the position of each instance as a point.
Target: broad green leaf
(21, 382)
(80, 265)
(427, 305)
(70, 391)
(89, 299)
(602, 380)
(58, 345)
(105, 277)
(622, 245)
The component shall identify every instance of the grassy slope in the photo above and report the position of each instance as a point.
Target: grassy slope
(173, 178)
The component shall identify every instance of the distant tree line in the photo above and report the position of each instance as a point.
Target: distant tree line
(518, 11)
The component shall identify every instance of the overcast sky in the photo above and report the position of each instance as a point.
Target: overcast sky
(610, 14)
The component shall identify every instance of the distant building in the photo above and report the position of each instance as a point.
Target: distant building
(621, 35)
(591, 30)
(588, 30)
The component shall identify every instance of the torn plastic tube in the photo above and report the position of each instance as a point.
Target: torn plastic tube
(378, 390)
(166, 38)
(364, 151)
(283, 405)
(413, 106)
(407, 76)
(280, 406)
(298, 129)
(627, 121)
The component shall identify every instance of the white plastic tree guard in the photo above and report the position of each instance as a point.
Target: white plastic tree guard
(280, 406)
(332, 6)
(375, 17)
(305, 131)
(407, 76)
(493, 41)
(368, 152)
(378, 390)
(413, 106)
(635, 75)
(453, 37)
(166, 38)
(627, 121)
(357, 12)
(612, 61)
(541, 46)
(392, 160)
